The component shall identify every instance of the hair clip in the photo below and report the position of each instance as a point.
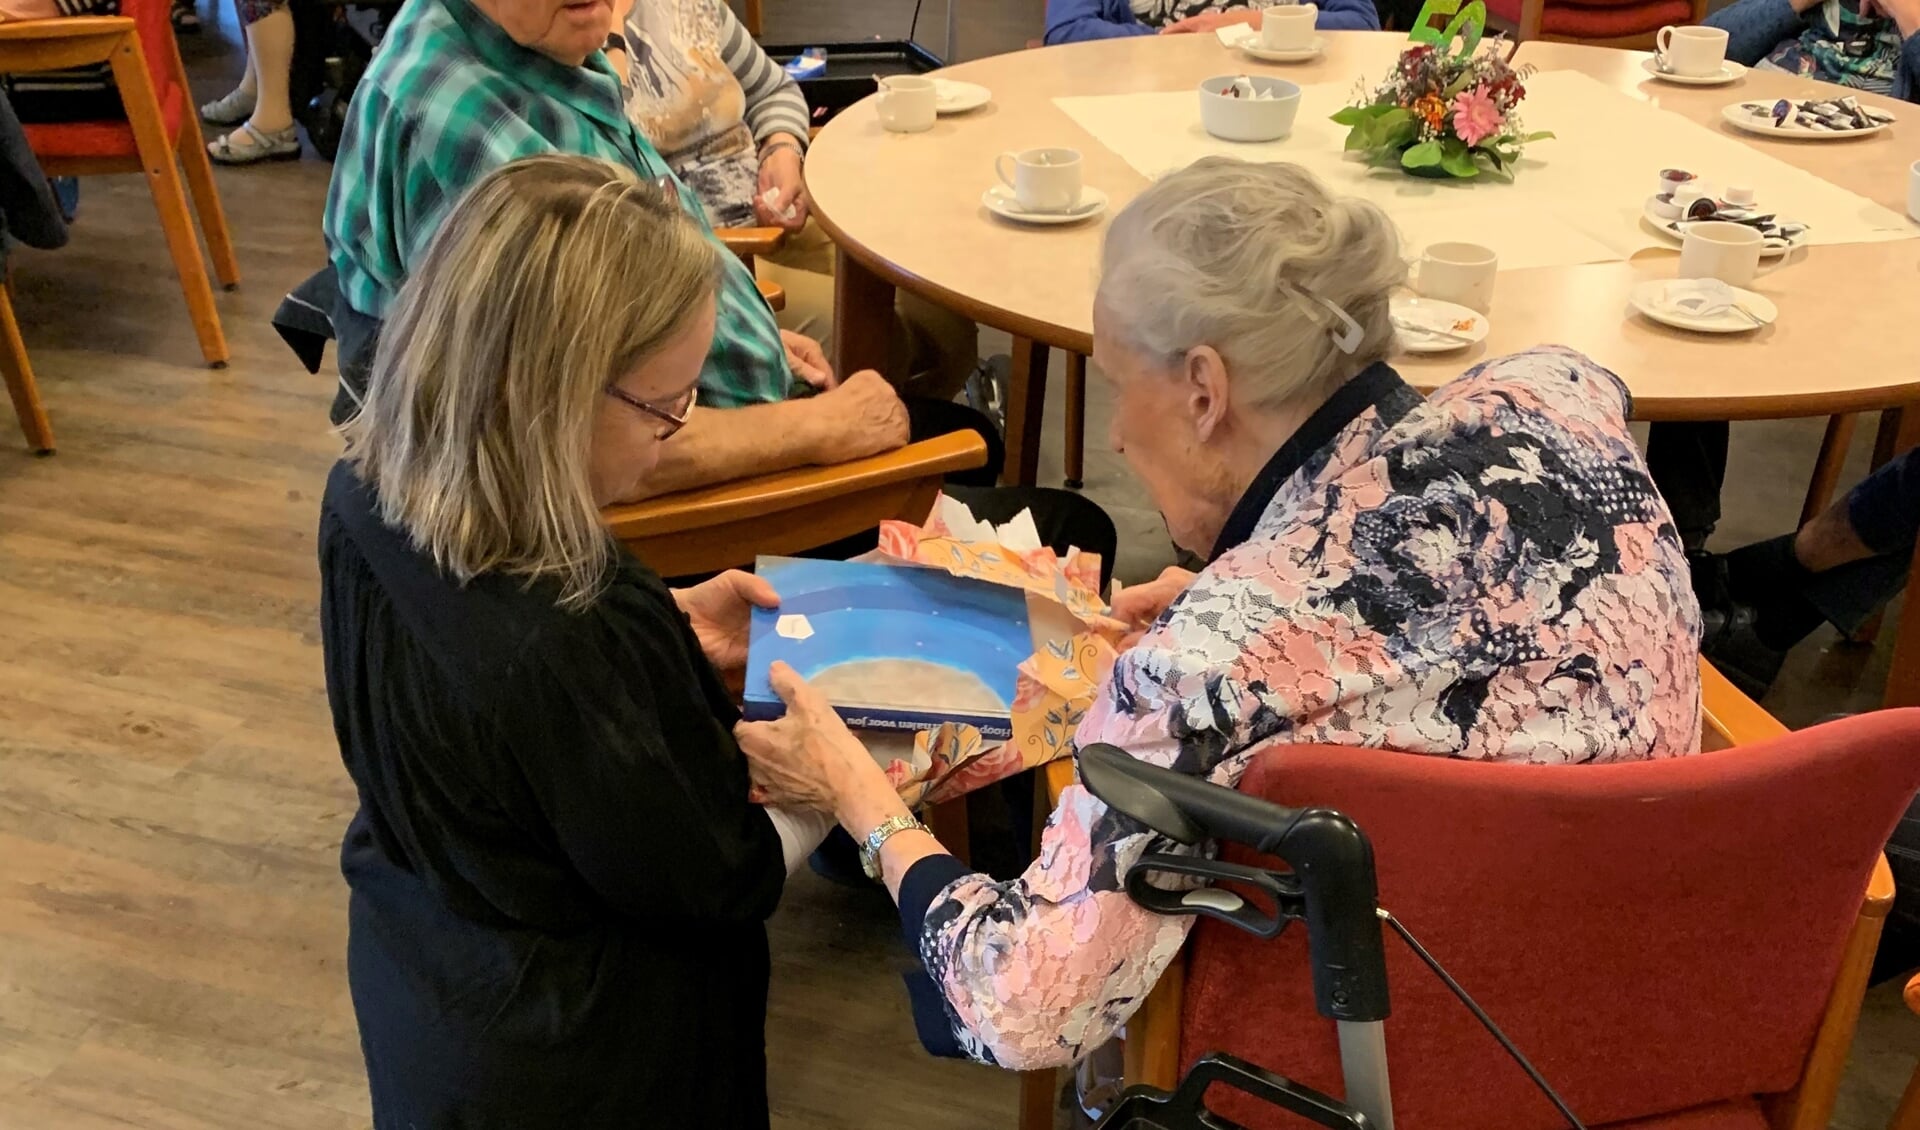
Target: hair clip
(1347, 333)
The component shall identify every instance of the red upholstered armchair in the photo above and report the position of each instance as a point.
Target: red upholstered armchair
(1678, 945)
(1631, 24)
(160, 125)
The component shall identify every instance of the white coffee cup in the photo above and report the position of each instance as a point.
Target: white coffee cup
(1716, 249)
(908, 103)
(1691, 50)
(1288, 27)
(1913, 192)
(1042, 180)
(1461, 273)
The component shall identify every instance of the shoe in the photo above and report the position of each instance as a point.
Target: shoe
(231, 110)
(249, 146)
(185, 19)
(986, 391)
(1727, 636)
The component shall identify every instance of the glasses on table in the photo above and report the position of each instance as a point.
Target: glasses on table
(673, 414)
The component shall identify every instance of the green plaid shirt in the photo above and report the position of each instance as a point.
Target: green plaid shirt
(448, 99)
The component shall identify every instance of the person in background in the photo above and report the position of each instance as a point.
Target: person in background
(260, 106)
(72, 94)
(1868, 45)
(462, 87)
(186, 20)
(1485, 573)
(734, 126)
(1840, 568)
(1076, 21)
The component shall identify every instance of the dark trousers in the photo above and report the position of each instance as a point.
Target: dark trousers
(1884, 510)
(1688, 463)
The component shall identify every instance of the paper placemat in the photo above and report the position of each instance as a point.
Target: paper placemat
(1576, 199)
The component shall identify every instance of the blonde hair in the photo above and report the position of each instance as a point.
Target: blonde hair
(551, 278)
(1242, 257)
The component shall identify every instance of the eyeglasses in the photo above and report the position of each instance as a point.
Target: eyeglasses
(675, 413)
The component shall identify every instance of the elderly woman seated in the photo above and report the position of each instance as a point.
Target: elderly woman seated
(1483, 574)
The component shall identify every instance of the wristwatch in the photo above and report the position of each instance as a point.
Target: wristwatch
(889, 828)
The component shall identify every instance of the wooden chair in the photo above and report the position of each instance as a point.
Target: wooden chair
(749, 242)
(1161, 1040)
(18, 372)
(161, 128)
(1627, 24)
(1907, 1115)
(727, 526)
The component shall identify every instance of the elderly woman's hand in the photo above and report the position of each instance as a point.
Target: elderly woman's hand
(780, 173)
(1138, 607)
(721, 612)
(808, 758)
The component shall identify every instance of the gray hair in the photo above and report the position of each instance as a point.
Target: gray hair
(551, 278)
(1246, 258)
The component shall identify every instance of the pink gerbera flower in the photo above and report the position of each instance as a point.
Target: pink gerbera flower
(1476, 116)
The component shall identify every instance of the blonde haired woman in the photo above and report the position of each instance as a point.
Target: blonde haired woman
(558, 884)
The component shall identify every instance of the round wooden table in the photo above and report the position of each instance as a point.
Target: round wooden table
(905, 211)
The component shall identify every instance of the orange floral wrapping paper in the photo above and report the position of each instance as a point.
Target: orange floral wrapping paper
(1074, 649)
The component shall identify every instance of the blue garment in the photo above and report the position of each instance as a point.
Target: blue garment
(1884, 510)
(1756, 27)
(1077, 21)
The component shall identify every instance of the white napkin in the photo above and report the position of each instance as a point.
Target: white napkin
(1698, 298)
(1020, 535)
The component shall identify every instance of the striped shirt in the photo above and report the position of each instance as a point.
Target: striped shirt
(705, 94)
(449, 98)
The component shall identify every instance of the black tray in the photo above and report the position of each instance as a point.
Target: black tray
(1149, 1108)
(851, 69)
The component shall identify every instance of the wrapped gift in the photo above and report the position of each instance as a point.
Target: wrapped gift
(1074, 648)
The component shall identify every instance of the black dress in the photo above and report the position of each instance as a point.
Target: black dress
(559, 888)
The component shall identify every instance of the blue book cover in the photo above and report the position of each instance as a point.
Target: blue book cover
(893, 647)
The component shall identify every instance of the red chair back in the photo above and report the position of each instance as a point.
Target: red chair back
(1655, 936)
(114, 138)
(1600, 19)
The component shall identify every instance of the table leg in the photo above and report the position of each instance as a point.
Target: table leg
(862, 316)
(1900, 431)
(1026, 411)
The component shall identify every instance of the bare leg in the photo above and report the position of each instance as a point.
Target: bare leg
(1829, 541)
(269, 60)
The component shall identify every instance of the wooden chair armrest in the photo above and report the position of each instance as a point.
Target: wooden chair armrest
(65, 27)
(783, 490)
(1057, 774)
(1880, 890)
(1912, 993)
(748, 242)
(1729, 718)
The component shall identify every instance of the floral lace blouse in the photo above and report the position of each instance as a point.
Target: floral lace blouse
(1486, 574)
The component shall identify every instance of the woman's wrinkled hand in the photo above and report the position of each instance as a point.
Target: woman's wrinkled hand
(1138, 607)
(807, 759)
(721, 612)
(780, 172)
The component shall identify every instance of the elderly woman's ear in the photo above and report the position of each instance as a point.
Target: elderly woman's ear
(1208, 390)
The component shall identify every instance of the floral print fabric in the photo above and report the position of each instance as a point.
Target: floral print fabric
(1487, 574)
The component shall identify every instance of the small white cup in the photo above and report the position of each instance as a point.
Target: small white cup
(1288, 27)
(1696, 52)
(1688, 193)
(908, 103)
(1716, 249)
(1042, 180)
(1461, 273)
(1913, 192)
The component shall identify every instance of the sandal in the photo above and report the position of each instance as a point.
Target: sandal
(247, 146)
(231, 110)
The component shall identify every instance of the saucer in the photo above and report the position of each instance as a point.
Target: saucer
(953, 97)
(1730, 71)
(1674, 231)
(1754, 117)
(1251, 45)
(1428, 325)
(999, 200)
(1647, 299)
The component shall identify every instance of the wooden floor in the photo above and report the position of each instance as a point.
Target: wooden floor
(171, 799)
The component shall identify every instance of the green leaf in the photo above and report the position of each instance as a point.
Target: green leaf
(1359, 137)
(1538, 135)
(1353, 115)
(1457, 159)
(1421, 156)
(1457, 85)
(1402, 135)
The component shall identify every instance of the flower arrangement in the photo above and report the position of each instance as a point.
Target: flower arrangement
(1441, 114)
